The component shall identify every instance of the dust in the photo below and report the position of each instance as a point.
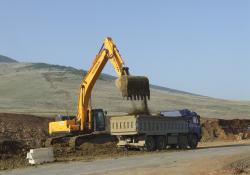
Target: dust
(141, 108)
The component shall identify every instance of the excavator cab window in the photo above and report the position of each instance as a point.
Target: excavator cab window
(99, 119)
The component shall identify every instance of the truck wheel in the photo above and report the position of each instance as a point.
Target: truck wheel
(173, 146)
(150, 143)
(161, 142)
(193, 141)
(183, 142)
(182, 146)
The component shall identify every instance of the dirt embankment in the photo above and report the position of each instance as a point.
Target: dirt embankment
(27, 131)
(19, 133)
(219, 129)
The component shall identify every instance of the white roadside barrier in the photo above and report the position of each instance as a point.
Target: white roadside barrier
(40, 155)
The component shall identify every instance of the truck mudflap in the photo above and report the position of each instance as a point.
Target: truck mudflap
(127, 141)
(124, 143)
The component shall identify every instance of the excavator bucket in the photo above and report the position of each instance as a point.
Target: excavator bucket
(134, 87)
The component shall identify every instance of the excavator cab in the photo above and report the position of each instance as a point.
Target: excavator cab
(98, 122)
(62, 122)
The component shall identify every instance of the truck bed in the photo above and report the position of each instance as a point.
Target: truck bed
(146, 124)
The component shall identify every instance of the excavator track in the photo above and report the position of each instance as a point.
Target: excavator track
(78, 140)
(74, 141)
(61, 139)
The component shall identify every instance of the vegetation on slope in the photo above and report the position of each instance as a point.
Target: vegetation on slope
(44, 89)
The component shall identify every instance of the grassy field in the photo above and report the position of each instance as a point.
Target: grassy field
(48, 90)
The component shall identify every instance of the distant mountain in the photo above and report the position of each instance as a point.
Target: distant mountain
(47, 90)
(103, 76)
(5, 59)
(172, 90)
(50, 67)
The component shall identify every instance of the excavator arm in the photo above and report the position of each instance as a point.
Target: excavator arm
(131, 86)
(114, 56)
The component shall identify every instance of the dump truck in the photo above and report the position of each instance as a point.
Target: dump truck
(156, 132)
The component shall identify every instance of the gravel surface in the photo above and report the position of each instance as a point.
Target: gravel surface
(158, 162)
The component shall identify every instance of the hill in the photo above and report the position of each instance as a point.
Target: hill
(4, 59)
(47, 90)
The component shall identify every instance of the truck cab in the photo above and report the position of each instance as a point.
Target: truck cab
(194, 124)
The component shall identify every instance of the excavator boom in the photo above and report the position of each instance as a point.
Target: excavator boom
(131, 87)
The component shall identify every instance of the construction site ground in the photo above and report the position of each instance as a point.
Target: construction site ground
(214, 158)
(26, 131)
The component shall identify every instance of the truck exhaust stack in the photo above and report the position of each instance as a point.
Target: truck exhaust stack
(134, 87)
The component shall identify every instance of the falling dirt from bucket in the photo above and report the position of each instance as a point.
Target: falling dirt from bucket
(142, 108)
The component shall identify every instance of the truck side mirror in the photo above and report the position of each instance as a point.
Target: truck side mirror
(105, 112)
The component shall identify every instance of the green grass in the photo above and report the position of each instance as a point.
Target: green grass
(48, 90)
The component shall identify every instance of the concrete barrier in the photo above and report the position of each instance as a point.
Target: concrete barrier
(40, 155)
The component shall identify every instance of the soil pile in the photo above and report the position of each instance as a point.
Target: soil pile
(27, 129)
(19, 133)
(218, 129)
(90, 149)
(241, 166)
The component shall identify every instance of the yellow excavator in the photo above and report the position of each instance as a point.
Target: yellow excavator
(90, 122)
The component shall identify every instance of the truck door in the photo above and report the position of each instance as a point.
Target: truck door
(196, 125)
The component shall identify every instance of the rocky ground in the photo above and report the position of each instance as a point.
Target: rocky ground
(26, 131)
(211, 158)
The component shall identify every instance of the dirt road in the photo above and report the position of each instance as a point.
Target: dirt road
(205, 160)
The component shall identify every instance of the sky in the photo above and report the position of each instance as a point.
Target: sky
(196, 46)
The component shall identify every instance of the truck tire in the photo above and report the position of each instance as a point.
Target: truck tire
(150, 143)
(173, 146)
(183, 142)
(161, 142)
(182, 146)
(193, 141)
